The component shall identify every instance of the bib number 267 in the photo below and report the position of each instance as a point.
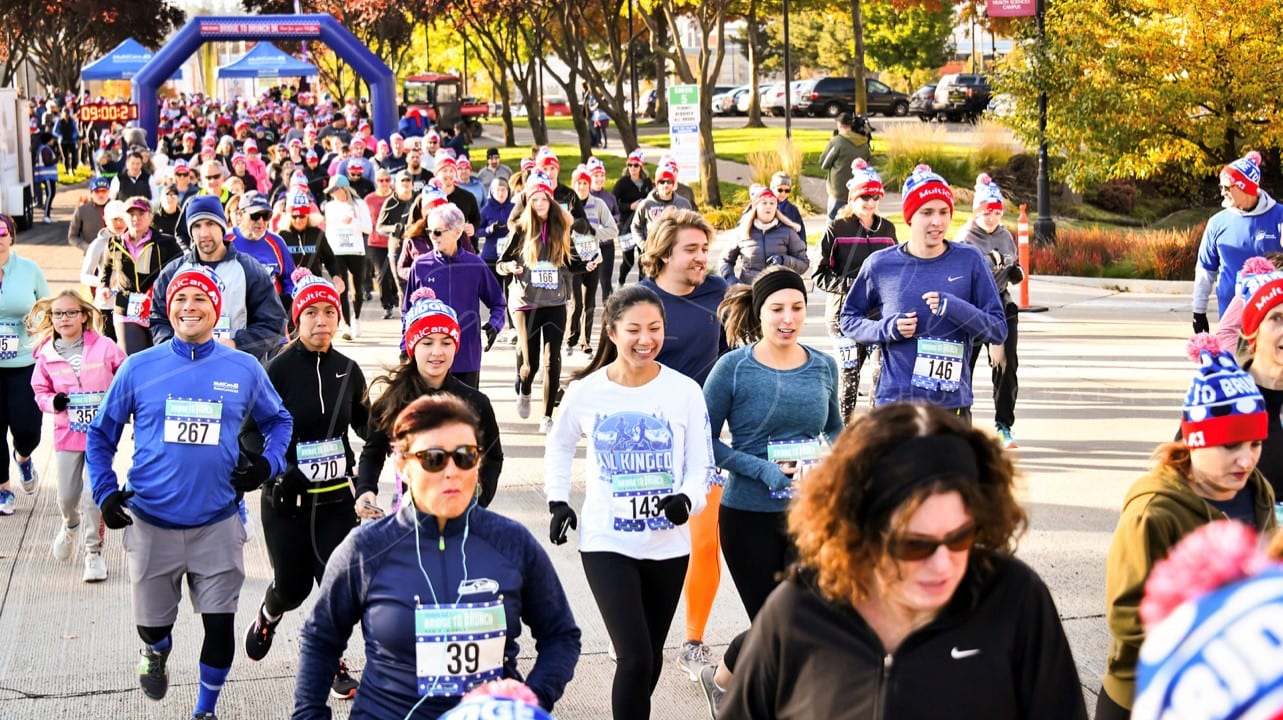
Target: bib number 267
(194, 433)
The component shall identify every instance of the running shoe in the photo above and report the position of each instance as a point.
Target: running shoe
(259, 638)
(207, 715)
(63, 542)
(356, 328)
(27, 468)
(344, 687)
(1004, 432)
(545, 425)
(152, 675)
(389, 314)
(692, 656)
(523, 406)
(95, 568)
(6, 502)
(712, 693)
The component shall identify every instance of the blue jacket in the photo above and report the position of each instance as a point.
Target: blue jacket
(1231, 237)
(181, 485)
(379, 569)
(273, 254)
(893, 282)
(493, 228)
(463, 282)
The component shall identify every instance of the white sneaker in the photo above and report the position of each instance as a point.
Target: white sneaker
(95, 567)
(692, 657)
(62, 543)
(6, 502)
(356, 328)
(545, 425)
(48, 220)
(523, 406)
(346, 332)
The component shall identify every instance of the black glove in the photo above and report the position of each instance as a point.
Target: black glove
(113, 509)
(251, 472)
(1015, 273)
(676, 507)
(1200, 323)
(996, 257)
(563, 519)
(491, 334)
(60, 402)
(775, 260)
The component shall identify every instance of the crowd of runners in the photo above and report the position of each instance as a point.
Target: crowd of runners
(871, 542)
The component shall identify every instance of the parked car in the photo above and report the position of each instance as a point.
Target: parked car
(920, 103)
(961, 96)
(741, 105)
(554, 106)
(724, 103)
(833, 96)
(773, 102)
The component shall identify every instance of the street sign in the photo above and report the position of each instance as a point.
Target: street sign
(1011, 8)
(683, 130)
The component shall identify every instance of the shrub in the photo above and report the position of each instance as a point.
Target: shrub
(1099, 252)
(908, 145)
(1118, 196)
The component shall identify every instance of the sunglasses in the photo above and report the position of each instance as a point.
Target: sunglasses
(1230, 186)
(633, 164)
(664, 182)
(870, 198)
(916, 549)
(212, 177)
(181, 174)
(63, 314)
(385, 180)
(783, 190)
(465, 457)
(260, 216)
(439, 233)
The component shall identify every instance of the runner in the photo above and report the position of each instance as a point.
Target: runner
(74, 368)
(309, 509)
(186, 400)
(764, 238)
(431, 339)
(598, 170)
(377, 248)
(482, 572)
(251, 237)
(130, 265)
(933, 299)
(675, 261)
(347, 223)
(649, 468)
(583, 286)
(649, 207)
(24, 285)
(856, 233)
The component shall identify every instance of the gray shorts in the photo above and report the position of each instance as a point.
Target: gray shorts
(212, 557)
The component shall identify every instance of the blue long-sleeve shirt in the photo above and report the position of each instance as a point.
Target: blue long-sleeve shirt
(376, 573)
(759, 405)
(970, 311)
(179, 483)
(693, 336)
(1231, 237)
(272, 253)
(464, 282)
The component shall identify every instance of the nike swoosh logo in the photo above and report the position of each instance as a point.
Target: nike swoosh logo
(952, 278)
(957, 654)
(336, 375)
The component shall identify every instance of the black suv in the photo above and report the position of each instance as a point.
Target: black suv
(833, 96)
(961, 96)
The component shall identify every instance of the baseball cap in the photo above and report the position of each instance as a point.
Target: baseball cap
(253, 201)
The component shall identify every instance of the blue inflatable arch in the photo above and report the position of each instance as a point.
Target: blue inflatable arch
(267, 27)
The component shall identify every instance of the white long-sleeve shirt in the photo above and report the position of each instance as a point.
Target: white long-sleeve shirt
(643, 442)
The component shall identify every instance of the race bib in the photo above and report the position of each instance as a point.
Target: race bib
(545, 276)
(193, 422)
(587, 246)
(82, 407)
(321, 459)
(847, 352)
(796, 455)
(345, 240)
(635, 501)
(938, 365)
(458, 647)
(223, 328)
(627, 241)
(138, 308)
(8, 341)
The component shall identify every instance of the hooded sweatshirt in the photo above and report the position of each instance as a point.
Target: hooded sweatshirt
(1159, 510)
(1232, 236)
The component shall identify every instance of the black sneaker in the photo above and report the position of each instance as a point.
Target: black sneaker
(389, 313)
(207, 715)
(344, 687)
(259, 638)
(152, 675)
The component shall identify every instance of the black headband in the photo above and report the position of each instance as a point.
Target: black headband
(912, 464)
(767, 284)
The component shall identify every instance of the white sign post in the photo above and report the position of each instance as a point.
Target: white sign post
(683, 130)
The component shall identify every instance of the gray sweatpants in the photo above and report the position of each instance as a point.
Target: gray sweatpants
(75, 500)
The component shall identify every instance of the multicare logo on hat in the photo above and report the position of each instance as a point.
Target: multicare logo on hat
(201, 278)
(922, 186)
(428, 316)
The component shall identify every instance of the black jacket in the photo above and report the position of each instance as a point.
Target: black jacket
(378, 445)
(126, 275)
(844, 248)
(310, 249)
(997, 651)
(325, 394)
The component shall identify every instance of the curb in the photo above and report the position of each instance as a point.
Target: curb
(1127, 285)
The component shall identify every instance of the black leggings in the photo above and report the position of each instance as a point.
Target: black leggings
(607, 270)
(544, 328)
(1005, 385)
(1107, 709)
(216, 650)
(583, 289)
(19, 415)
(299, 545)
(136, 337)
(381, 266)
(637, 599)
(353, 265)
(626, 261)
(757, 549)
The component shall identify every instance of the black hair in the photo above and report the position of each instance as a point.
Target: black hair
(619, 301)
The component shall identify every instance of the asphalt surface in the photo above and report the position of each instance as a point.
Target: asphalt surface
(1102, 375)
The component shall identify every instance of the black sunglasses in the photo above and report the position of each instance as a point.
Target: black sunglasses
(914, 549)
(465, 457)
(439, 233)
(259, 216)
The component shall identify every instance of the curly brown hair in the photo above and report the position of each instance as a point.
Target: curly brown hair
(844, 553)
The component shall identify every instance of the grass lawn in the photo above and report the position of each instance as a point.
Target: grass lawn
(734, 144)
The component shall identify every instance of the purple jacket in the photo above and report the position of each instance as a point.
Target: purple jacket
(462, 281)
(98, 364)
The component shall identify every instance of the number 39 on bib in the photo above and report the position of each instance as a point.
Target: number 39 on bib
(458, 647)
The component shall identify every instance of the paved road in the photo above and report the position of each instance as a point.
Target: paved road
(1102, 377)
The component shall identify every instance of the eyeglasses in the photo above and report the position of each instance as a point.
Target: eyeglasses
(439, 233)
(260, 216)
(870, 198)
(406, 181)
(65, 314)
(385, 180)
(465, 457)
(212, 177)
(664, 182)
(637, 165)
(915, 549)
(1227, 187)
